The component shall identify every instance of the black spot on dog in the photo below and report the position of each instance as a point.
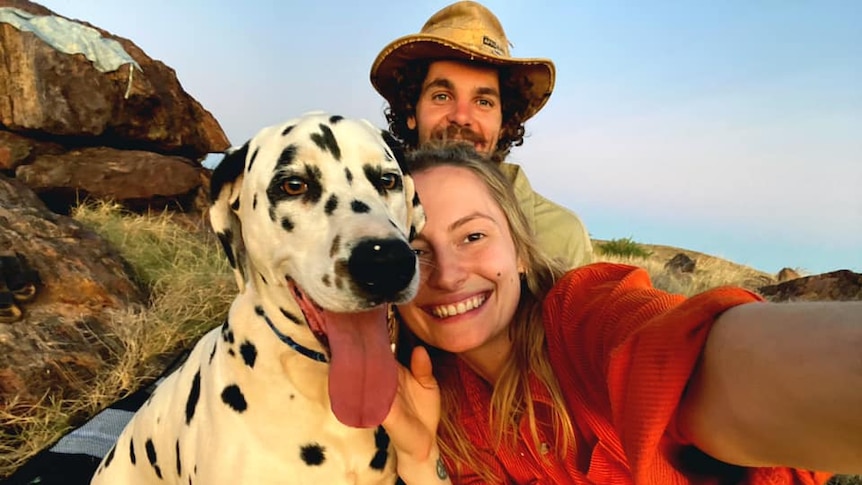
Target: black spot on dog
(331, 204)
(263, 278)
(335, 119)
(287, 130)
(249, 353)
(194, 396)
(235, 205)
(381, 442)
(251, 159)
(290, 316)
(288, 155)
(225, 238)
(348, 175)
(228, 170)
(326, 141)
(212, 353)
(231, 353)
(335, 247)
(227, 334)
(151, 456)
(258, 310)
(232, 396)
(132, 457)
(326, 280)
(360, 207)
(286, 224)
(179, 461)
(312, 454)
(254, 202)
(110, 457)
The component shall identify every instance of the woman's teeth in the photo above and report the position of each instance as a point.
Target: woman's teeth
(444, 311)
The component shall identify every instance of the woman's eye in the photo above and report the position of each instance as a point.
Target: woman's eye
(294, 186)
(389, 181)
(474, 237)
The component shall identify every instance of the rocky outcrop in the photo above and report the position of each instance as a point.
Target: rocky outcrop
(136, 104)
(87, 114)
(838, 285)
(63, 336)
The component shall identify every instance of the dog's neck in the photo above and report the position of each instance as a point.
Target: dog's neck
(276, 308)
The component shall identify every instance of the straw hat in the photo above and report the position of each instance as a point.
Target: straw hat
(463, 31)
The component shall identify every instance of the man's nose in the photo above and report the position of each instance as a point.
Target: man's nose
(461, 113)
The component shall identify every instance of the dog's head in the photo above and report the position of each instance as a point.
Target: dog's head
(321, 209)
(322, 201)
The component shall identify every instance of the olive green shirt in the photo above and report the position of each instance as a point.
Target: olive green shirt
(558, 230)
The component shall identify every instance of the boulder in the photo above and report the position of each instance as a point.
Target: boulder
(64, 334)
(787, 274)
(133, 178)
(837, 285)
(681, 263)
(74, 82)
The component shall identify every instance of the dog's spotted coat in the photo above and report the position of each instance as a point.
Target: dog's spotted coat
(315, 216)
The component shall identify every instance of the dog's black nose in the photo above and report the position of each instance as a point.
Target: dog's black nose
(382, 267)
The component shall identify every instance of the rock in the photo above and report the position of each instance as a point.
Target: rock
(138, 104)
(837, 285)
(65, 334)
(137, 179)
(787, 274)
(681, 263)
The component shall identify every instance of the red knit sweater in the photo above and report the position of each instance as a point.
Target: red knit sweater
(623, 352)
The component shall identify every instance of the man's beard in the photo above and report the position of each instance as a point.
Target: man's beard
(457, 133)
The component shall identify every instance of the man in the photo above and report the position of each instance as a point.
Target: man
(455, 80)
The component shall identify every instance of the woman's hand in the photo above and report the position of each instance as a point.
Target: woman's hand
(412, 422)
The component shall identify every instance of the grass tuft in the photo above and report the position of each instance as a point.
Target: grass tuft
(624, 247)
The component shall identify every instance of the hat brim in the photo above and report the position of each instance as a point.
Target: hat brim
(539, 72)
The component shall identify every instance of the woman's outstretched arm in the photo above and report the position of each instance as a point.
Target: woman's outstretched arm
(780, 384)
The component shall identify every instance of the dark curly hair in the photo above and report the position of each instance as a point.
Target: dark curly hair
(408, 82)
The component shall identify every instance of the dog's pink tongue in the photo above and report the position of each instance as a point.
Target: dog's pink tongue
(363, 376)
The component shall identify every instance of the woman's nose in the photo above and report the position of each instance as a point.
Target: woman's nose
(447, 272)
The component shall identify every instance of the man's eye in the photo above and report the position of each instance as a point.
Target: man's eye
(487, 103)
(440, 96)
(294, 186)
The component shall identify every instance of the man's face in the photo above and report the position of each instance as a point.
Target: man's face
(459, 101)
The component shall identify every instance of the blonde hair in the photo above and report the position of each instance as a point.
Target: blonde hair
(511, 398)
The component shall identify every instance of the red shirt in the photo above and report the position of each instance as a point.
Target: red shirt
(623, 352)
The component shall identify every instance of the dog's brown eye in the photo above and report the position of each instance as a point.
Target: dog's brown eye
(294, 186)
(389, 181)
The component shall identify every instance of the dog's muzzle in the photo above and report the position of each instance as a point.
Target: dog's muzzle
(382, 268)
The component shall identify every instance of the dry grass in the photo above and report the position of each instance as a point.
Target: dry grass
(190, 287)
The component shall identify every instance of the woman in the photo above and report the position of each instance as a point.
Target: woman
(595, 376)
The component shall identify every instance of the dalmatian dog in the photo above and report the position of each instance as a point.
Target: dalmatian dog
(315, 216)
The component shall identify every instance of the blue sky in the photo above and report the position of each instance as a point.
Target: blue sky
(732, 128)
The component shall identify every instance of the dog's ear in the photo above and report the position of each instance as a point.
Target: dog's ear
(415, 213)
(225, 189)
(397, 150)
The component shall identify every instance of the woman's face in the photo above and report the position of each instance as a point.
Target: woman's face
(470, 283)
